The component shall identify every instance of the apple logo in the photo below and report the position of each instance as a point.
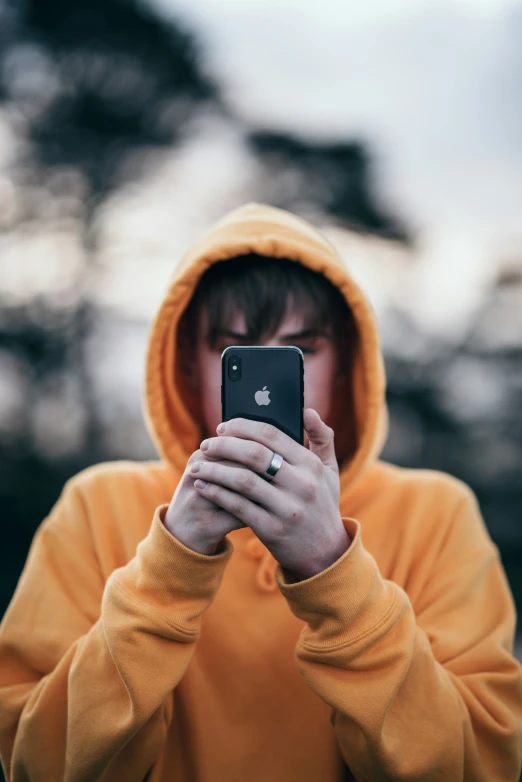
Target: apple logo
(261, 397)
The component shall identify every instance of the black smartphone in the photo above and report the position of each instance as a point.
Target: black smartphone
(264, 383)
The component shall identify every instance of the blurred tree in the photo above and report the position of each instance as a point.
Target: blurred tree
(334, 178)
(84, 84)
(94, 79)
(455, 407)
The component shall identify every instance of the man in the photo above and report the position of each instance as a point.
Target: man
(343, 618)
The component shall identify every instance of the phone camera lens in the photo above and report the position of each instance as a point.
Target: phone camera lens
(234, 367)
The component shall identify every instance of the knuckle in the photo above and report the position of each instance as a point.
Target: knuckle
(238, 507)
(257, 452)
(309, 492)
(269, 432)
(246, 479)
(295, 513)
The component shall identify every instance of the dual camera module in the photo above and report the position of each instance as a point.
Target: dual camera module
(234, 367)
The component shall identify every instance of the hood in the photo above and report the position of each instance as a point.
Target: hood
(268, 231)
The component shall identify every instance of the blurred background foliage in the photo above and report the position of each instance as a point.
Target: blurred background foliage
(101, 103)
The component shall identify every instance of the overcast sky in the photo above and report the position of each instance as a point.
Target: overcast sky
(433, 86)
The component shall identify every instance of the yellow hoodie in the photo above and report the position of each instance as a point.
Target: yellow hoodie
(126, 656)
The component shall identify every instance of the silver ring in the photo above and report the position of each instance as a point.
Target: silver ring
(275, 464)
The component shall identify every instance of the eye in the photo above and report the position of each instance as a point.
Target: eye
(305, 350)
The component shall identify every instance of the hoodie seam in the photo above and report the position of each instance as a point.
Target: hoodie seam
(361, 636)
(190, 634)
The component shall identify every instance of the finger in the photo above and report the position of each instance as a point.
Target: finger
(265, 434)
(248, 453)
(321, 437)
(237, 505)
(248, 484)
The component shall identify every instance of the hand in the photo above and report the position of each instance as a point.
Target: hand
(296, 515)
(194, 519)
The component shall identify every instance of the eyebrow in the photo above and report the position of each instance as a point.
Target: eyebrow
(304, 334)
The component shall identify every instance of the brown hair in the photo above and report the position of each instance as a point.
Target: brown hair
(259, 287)
(262, 288)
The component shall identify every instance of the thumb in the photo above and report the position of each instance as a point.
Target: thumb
(320, 437)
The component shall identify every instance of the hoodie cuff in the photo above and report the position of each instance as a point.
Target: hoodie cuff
(170, 578)
(348, 599)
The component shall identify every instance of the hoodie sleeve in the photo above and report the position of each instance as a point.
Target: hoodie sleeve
(425, 692)
(86, 666)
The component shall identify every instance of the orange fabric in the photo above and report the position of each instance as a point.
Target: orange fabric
(124, 655)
